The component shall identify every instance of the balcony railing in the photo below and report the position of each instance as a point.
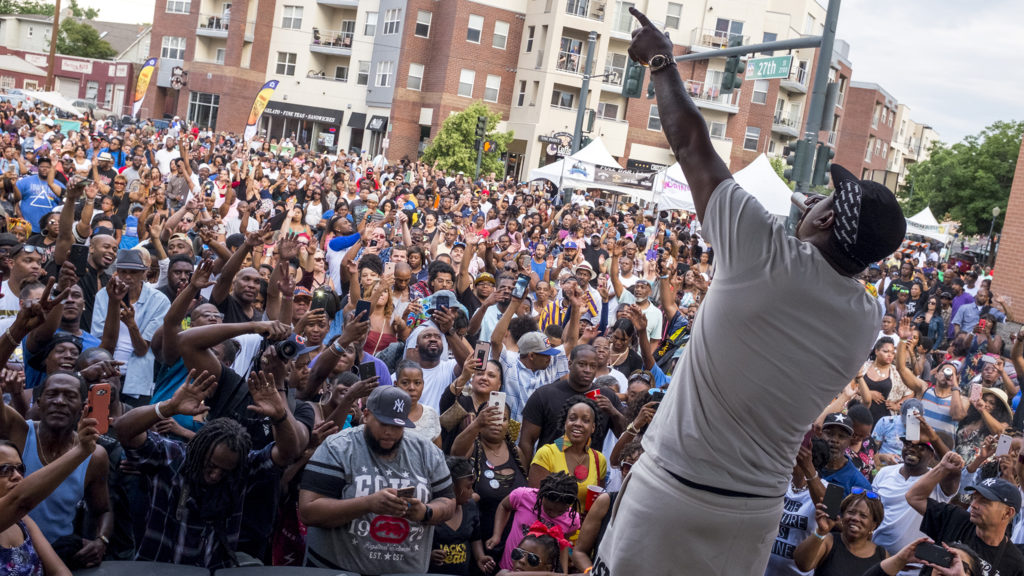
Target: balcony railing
(324, 76)
(711, 97)
(585, 9)
(216, 26)
(787, 126)
(570, 62)
(712, 38)
(331, 42)
(796, 82)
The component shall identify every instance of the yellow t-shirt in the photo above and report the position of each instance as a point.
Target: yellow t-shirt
(552, 458)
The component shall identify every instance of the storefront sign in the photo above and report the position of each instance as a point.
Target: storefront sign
(558, 144)
(76, 66)
(621, 177)
(298, 112)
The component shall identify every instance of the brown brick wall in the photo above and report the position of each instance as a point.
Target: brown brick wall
(443, 56)
(856, 131)
(1009, 266)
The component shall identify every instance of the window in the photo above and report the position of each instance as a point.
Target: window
(423, 23)
(751, 138)
(653, 119)
(569, 55)
(363, 77)
(500, 35)
(624, 21)
(562, 98)
(92, 89)
(607, 110)
(476, 27)
(673, 15)
(871, 142)
(286, 63)
(760, 92)
(292, 19)
(370, 28)
(173, 47)
(809, 25)
(616, 66)
(521, 98)
(202, 109)
(415, 80)
(491, 88)
(466, 80)
(727, 29)
(717, 130)
(108, 96)
(220, 55)
(179, 6)
(7, 82)
(31, 31)
(874, 116)
(341, 73)
(842, 91)
(769, 37)
(529, 38)
(392, 21)
(384, 73)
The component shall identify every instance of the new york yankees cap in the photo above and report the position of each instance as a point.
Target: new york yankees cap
(869, 221)
(390, 405)
(998, 490)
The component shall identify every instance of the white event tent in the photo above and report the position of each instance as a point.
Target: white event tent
(758, 178)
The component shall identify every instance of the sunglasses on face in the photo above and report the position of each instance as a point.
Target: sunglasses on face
(531, 558)
(8, 470)
(867, 493)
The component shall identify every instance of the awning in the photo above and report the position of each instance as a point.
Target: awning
(377, 123)
(300, 112)
(357, 120)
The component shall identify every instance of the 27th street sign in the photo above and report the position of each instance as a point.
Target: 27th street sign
(768, 68)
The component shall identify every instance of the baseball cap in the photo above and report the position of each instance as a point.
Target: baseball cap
(300, 345)
(10, 240)
(997, 490)
(642, 375)
(570, 245)
(391, 406)
(129, 260)
(303, 292)
(536, 343)
(372, 198)
(484, 277)
(838, 419)
(869, 223)
(105, 157)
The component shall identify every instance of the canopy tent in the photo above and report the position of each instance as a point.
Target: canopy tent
(582, 170)
(925, 224)
(55, 99)
(758, 178)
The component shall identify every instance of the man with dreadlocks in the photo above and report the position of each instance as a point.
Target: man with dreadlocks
(196, 491)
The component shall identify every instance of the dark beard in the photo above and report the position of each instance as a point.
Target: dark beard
(429, 356)
(375, 446)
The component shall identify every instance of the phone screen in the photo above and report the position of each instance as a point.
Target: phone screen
(522, 283)
(833, 499)
(363, 306)
(367, 370)
(80, 258)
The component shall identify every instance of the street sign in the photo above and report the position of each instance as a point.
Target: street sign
(769, 68)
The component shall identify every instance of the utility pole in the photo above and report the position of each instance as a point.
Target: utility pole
(52, 60)
(802, 175)
(581, 109)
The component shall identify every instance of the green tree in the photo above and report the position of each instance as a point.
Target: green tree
(453, 147)
(779, 165)
(79, 12)
(82, 40)
(26, 7)
(963, 182)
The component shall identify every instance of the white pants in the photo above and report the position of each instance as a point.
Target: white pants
(661, 526)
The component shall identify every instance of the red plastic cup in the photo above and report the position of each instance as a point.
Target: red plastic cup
(593, 491)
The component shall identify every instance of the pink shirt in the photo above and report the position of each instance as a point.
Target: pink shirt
(523, 500)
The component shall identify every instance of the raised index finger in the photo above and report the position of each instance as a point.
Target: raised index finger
(640, 17)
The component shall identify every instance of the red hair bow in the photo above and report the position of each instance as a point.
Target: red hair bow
(540, 529)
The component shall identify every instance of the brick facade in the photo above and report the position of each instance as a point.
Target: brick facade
(444, 55)
(1009, 266)
(83, 71)
(857, 131)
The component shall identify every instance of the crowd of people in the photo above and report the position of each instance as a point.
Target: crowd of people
(216, 355)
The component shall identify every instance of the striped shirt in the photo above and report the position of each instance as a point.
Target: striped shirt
(520, 382)
(936, 412)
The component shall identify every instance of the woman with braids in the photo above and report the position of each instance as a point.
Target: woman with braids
(496, 465)
(196, 491)
(572, 452)
(554, 504)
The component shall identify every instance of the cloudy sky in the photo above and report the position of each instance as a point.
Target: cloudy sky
(939, 57)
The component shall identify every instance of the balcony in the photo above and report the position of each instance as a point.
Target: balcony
(797, 81)
(323, 76)
(339, 3)
(710, 98)
(786, 126)
(704, 39)
(215, 26)
(589, 9)
(833, 137)
(570, 62)
(333, 42)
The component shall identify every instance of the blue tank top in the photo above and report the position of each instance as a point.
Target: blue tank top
(55, 515)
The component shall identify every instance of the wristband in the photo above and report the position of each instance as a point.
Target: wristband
(818, 536)
(11, 339)
(156, 408)
(428, 514)
(337, 348)
(631, 429)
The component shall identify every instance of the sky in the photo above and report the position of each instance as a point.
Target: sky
(952, 62)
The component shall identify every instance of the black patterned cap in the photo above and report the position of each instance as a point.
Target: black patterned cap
(869, 221)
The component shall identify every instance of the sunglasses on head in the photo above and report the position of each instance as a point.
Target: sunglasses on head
(531, 558)
(8, 470)
(867, 493)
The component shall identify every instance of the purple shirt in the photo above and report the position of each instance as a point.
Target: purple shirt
(959, 301)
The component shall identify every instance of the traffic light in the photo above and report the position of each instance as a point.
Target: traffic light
(734, 68)
(481, 127)
(650, 89)
(633, 84)
(591, 116)
(822, 163)
(797, 157)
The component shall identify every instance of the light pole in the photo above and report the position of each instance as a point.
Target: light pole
(991, 228)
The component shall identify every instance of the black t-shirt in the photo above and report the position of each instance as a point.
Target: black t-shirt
(233, 311)
(896, 287)
(457, 543)
(91, 283)
(544, 408)
(107, 177)
(593, 257)
(231, 399)
(951, 524)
